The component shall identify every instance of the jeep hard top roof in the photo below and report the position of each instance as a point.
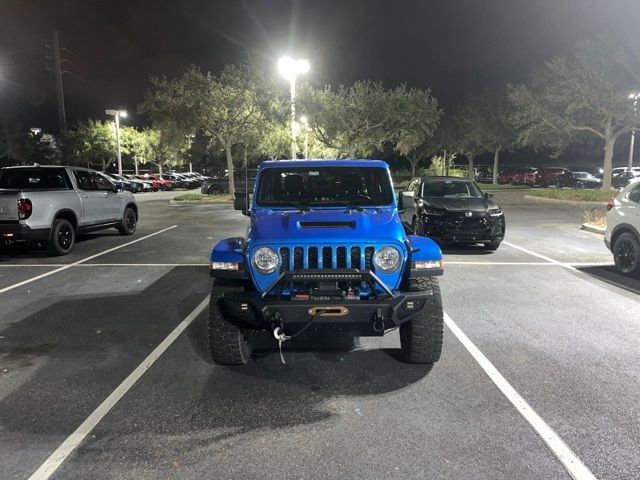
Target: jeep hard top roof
(337, 162)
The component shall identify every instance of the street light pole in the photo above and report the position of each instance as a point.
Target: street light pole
(290, 69)
(117, 114)
(305, 125)
(634, 97)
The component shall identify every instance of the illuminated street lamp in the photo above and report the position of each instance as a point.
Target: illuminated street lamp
(290, 69)
(305, 125)
(633, 96)
(117, 114)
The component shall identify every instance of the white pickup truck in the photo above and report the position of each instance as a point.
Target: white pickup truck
(53, 204)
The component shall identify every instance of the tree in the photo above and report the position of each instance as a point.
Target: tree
(91, 141)
(352, 120)
(582, 94)
(485, 126)
(417, 117)
(136, 144)
(166, 148)
(229, 109)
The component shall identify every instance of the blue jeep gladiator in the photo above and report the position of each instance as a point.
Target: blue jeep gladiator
(325, 248)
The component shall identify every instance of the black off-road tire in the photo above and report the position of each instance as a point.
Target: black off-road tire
(626, 254)
(228, 344)
(421, 337)
(491, 246)
(63, 237)
(129, 222)
(215, 190)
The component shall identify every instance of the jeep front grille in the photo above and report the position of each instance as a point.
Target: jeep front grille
(326, 257)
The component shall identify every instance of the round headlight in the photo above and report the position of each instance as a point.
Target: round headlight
(266, 260)
(387, 259)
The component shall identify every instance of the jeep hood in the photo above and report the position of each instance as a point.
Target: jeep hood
(373, 225)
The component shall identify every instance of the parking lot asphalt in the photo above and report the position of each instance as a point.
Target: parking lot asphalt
(546, 310)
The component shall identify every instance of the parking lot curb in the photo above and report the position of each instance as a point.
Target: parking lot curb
(565, 202)
(593, 228)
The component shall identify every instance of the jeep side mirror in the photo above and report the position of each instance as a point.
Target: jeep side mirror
(241, 202)
(488, 195)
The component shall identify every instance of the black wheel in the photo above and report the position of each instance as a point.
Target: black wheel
(228, 344)
(128, 223)
(491, 245)
(421, 337)
(626, 254)
(63, 237)
(215, 190)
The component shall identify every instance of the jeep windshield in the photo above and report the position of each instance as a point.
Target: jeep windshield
(300, 187)
(451, 189)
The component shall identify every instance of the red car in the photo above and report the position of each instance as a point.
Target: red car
(548, 175)
(518, 176)
(162, 183)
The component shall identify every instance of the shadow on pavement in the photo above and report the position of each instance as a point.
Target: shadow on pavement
(610, 275)
(476, 249)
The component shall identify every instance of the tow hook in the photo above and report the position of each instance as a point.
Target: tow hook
(378, 321)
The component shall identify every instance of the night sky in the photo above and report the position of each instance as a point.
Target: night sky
(452, 46)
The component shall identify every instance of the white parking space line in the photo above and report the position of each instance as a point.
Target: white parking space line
(561, 450)
(51, 265)
(65, 267)
(535, 264)
(52, 463)
(543, 257)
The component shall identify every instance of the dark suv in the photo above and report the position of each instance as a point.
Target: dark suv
(452, 210)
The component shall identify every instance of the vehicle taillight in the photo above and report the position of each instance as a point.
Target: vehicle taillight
(611, 203)
(25, 208)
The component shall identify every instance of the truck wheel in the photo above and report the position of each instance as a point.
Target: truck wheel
(626, 254)
(129, 222)
(228, 344)
(421, 337)
(63, 237)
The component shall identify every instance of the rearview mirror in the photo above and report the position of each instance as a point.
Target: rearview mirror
(241, 202)
(488, 195)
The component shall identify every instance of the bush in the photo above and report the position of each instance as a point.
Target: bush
(437, 169)
(595, 216)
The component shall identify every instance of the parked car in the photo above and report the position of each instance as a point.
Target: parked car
(120, 182)
(140, 185)
(518, 175)
(452, 210)
(577, 180)
(162, 183)
(325, 247)
(547, 176)
(483, 175)
(622, 235)
(53, 204)
(217, 186)
(178, 182)
(155, 184)
(622, 179)
(525, 176)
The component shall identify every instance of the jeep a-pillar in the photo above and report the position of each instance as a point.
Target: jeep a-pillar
(325, 249)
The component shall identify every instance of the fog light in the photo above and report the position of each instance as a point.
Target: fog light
(224, 266)
(410, 305)
(427, 264)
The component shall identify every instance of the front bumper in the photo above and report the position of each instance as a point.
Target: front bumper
(15, 231)
(462, 230)
(363, 317)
